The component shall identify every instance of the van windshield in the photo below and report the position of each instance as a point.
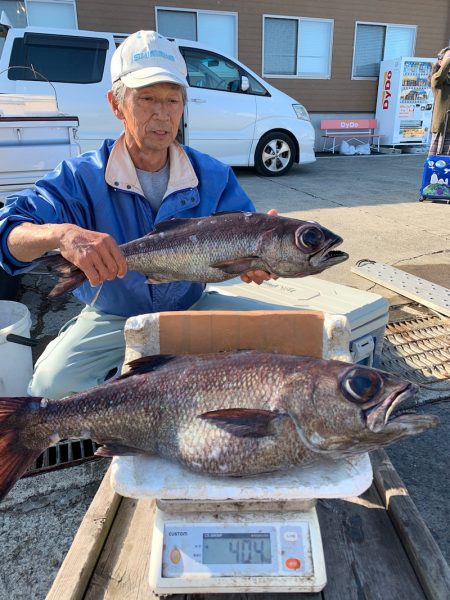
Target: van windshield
(64, 59)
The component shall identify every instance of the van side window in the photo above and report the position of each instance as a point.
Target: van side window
(215, 72)
(59, 58)
(255, 87)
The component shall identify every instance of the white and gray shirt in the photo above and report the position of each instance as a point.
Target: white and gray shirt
(154, 185)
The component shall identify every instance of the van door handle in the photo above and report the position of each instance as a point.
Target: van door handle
(198, 100)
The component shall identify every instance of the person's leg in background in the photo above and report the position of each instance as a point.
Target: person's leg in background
(86, 349)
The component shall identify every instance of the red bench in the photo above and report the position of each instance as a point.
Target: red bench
(349, 129)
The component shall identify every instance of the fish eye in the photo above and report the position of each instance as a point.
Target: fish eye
(361, 385)
(309, 237)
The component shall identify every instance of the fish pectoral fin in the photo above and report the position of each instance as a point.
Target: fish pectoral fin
(244, 422)
(235, 266)
(116, 449)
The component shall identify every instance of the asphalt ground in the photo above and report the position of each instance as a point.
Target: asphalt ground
(372, 202)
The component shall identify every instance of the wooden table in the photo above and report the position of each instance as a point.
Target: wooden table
(376, 546)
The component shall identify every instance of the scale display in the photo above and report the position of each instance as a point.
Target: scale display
(233, 550)
(236, 548)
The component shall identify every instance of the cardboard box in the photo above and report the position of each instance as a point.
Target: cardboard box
(308, 333)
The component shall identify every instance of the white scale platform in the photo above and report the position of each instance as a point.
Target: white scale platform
(228, 535)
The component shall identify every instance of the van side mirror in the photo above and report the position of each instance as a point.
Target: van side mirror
(245, 84)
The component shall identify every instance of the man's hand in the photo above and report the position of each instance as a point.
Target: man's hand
(96, 254)
(259, 276)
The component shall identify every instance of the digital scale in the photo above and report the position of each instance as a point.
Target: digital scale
(236, 551)
(230, 535)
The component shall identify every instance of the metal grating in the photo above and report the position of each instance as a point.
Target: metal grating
(417, 347)
(66, 453)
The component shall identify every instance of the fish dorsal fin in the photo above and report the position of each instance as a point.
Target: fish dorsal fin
(179, 228)
(146, 364)
(177, 223)
(169, 225)
(233, 212)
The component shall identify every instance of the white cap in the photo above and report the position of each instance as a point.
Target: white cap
(146, 58)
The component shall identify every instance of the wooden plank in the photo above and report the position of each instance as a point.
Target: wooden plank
(246, 596)
(76, 570)
(122, 570)
(363, 554)
(425, 555)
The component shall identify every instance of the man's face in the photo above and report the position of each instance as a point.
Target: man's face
(151, 116)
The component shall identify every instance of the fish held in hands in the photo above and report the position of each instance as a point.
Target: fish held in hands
(217, 248)
(238, 413)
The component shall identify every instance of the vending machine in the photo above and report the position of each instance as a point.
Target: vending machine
(404, 101)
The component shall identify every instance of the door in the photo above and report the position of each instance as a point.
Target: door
(220, 116)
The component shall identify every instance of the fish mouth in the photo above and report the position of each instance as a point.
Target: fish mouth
(328, 256)
(389, 416)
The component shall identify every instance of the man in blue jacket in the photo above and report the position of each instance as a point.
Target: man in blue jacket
(92, 203)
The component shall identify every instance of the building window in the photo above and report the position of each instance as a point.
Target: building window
(217, 29)
(49, 13)
(297, 47)
(376, 42)
(15, 12)
(52, 13)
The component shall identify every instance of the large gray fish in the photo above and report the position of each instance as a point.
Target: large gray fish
(237, 413)
(219, 247)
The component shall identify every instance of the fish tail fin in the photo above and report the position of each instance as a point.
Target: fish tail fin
(15, 457)
(69, 275)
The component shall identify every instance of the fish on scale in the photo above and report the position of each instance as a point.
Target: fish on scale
(236, 413)
(217, 248)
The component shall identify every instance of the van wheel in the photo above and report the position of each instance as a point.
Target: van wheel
(274, 154)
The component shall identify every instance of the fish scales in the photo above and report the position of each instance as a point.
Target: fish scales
(192, 252)
(157, 413)
(239, 413)
(217, 248)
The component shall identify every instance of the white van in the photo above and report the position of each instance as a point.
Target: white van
(231, 113)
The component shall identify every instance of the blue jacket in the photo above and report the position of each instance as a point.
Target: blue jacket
(90, 192)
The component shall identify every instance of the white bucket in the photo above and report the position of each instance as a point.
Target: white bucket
(16, 363)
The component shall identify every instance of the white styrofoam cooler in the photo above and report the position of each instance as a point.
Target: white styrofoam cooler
(27, 105)
(366, 312)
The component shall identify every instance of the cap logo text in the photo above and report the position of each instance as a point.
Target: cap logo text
(153, 53)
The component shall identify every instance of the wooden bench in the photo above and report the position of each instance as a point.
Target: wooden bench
(376, 546)
(346, 128)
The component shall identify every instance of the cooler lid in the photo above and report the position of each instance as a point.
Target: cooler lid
(310, 293)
